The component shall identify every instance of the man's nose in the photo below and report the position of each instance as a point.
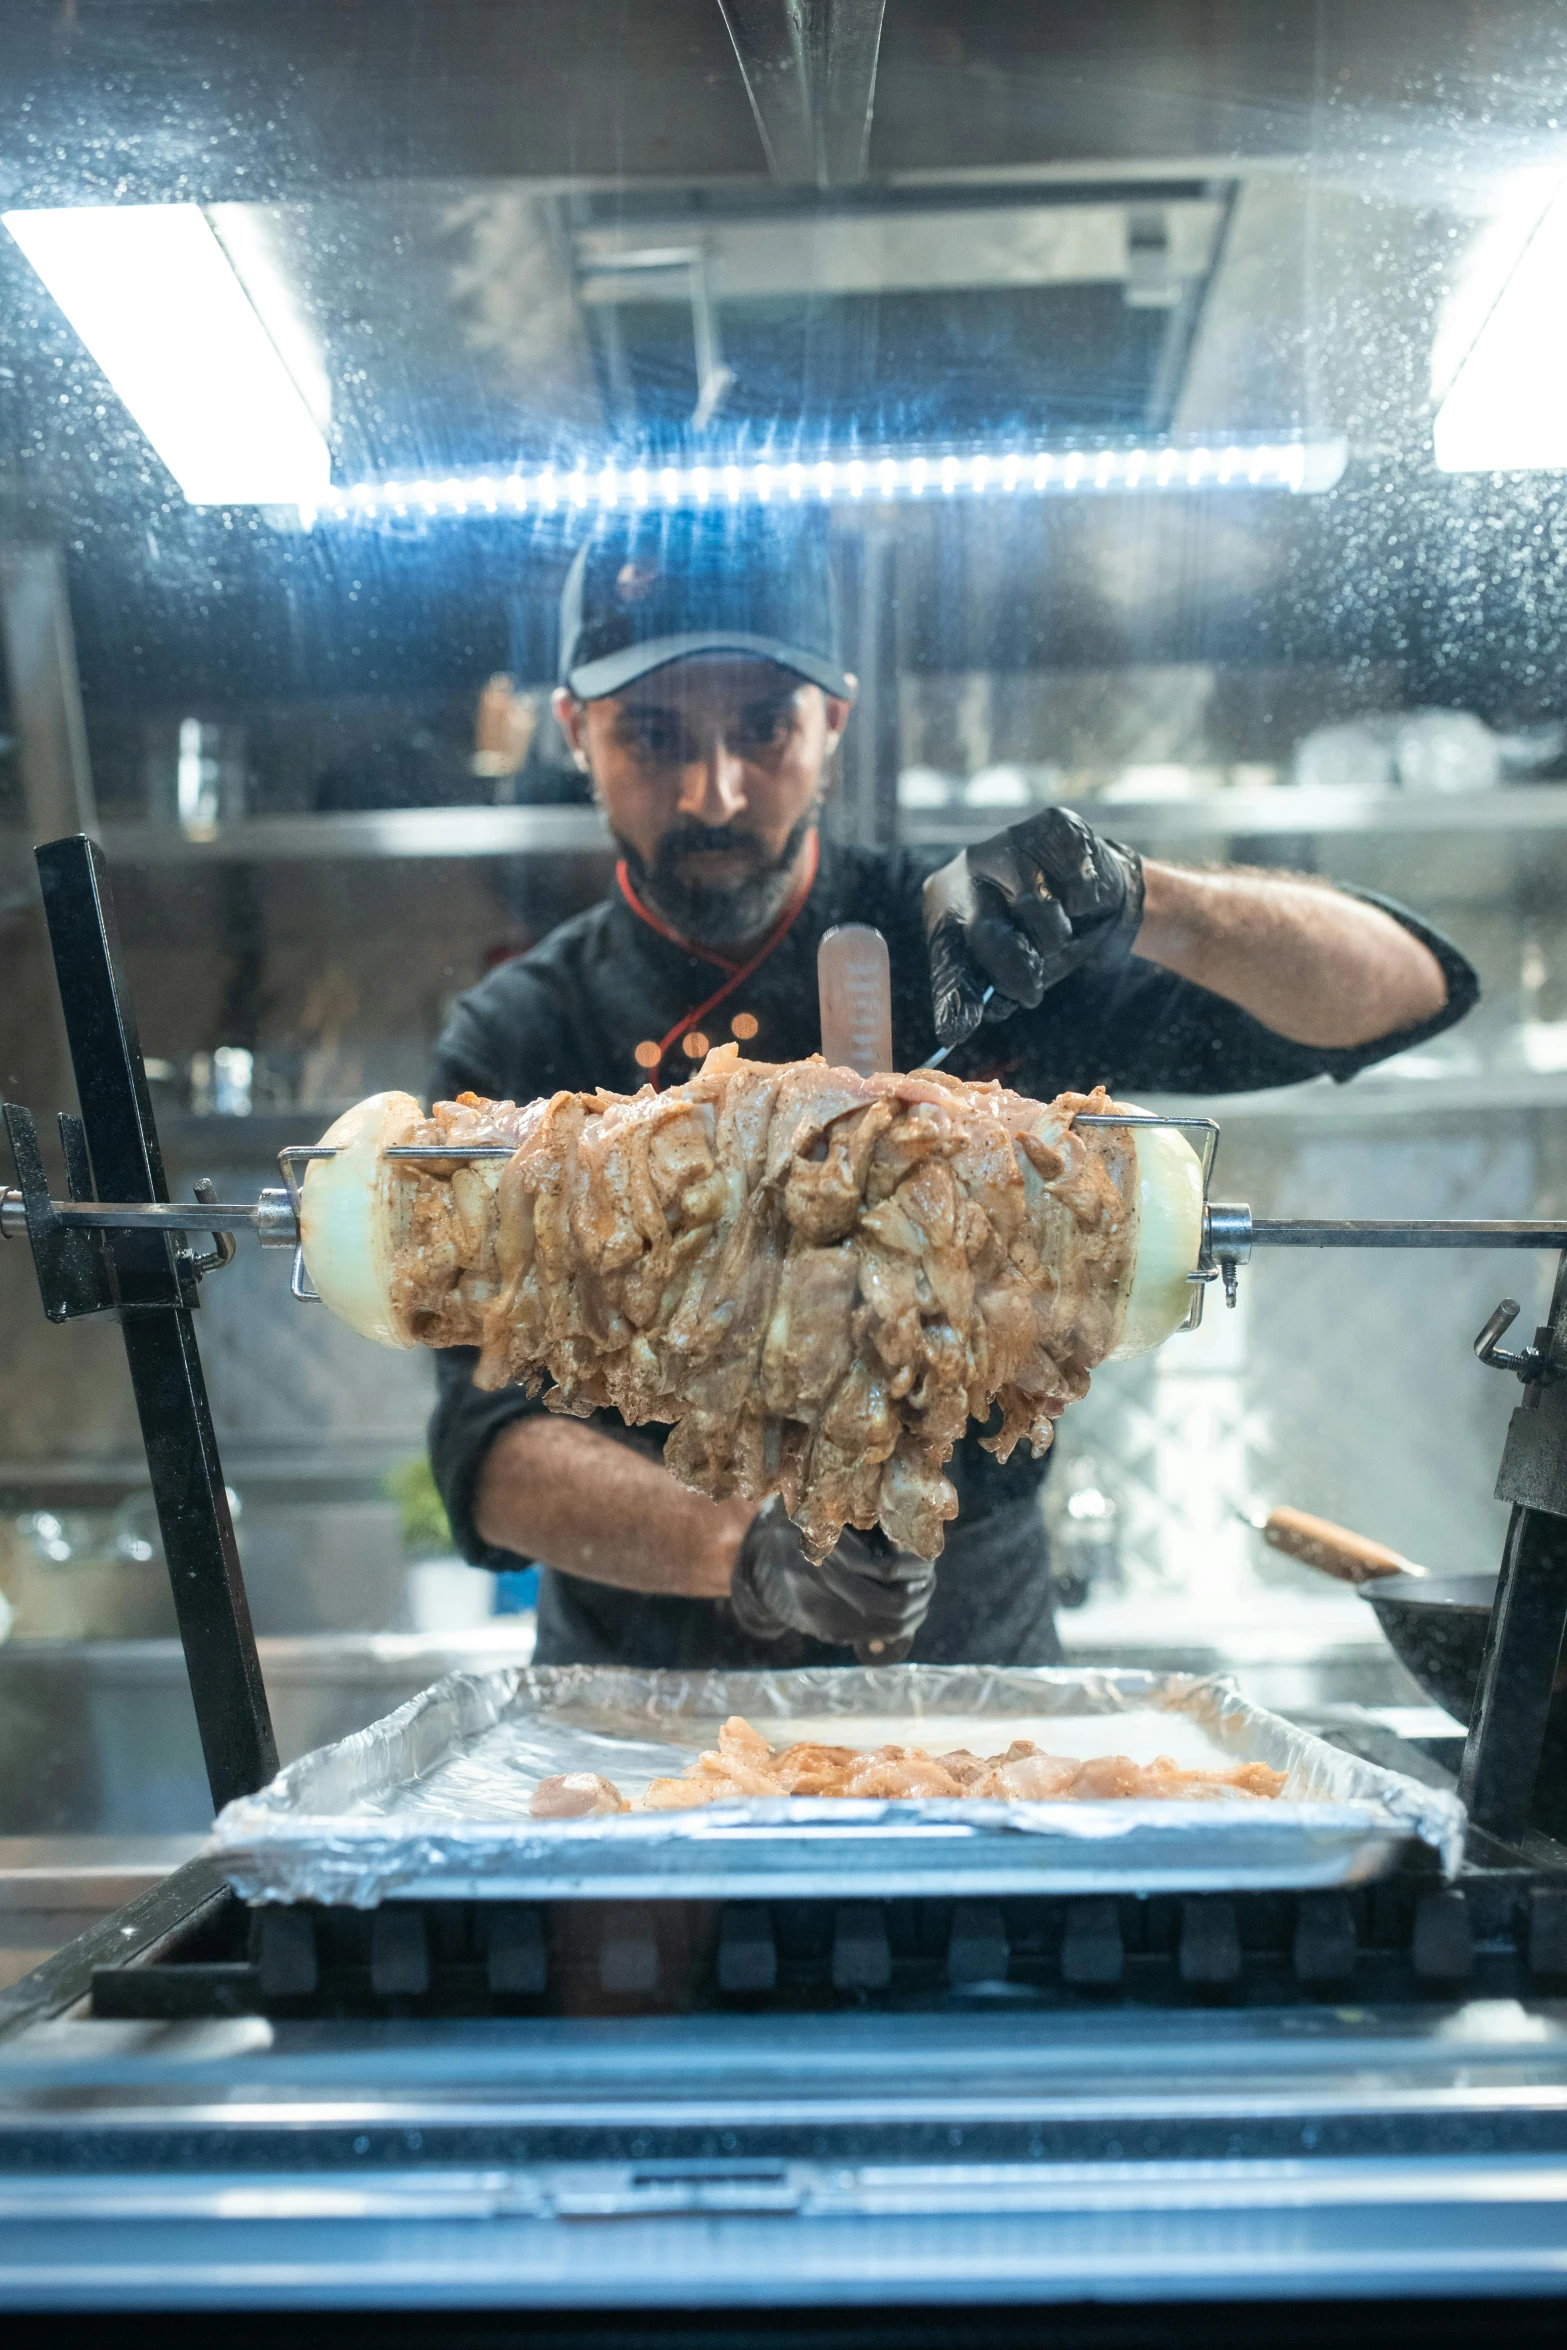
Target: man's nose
(712, 789)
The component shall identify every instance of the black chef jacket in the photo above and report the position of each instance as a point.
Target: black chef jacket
(570, 1014)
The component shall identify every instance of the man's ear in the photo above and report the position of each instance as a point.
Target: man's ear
(571, 716)
(838, 712)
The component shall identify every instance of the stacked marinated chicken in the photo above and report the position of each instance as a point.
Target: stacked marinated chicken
(818, 1279)
(744, 1764)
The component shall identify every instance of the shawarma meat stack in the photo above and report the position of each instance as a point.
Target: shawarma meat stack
(816, 1280)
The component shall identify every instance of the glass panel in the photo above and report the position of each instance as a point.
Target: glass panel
(1180, 396)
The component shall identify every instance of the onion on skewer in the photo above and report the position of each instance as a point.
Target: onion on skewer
(816, 1278)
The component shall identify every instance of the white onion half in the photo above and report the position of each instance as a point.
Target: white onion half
(1169, 1239)
(348, 1206)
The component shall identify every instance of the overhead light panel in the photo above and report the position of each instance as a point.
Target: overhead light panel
(154, 297)
(868, 476)
(1505, 411)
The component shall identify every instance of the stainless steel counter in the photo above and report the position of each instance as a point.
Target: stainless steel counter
(979, 2148)
(98, 1737)
(53, 1888)
(750, 2161)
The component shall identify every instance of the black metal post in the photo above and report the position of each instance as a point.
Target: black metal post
(1523, 1641)
(155, 1293)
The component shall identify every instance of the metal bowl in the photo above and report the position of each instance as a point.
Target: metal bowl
(1437, 1629)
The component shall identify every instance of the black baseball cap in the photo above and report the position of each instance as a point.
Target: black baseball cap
(652, 587)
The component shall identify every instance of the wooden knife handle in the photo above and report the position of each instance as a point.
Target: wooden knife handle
(1332, 1550)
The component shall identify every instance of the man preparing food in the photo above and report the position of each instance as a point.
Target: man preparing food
(704, 694)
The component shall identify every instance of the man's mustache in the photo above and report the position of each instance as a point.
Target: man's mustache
(722, 840)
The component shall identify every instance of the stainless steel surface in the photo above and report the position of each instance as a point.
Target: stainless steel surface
(434, 1800)
(1287, 808)
(271, 1217)
(135, 1216)
(1413, 1232)
(1393, 1096)
(96, 1873)
(389, 832)
(98, 1736)
(765, 2160)
(508, 832)
(277, 1219)
(435, 1150)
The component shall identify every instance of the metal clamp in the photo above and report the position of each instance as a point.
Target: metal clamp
(1207, 1151)
(290, 1159)
(1226, 1243)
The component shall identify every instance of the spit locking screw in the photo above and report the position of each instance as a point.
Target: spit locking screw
(224, 1244)
(1532, 1364)
(1226, 1244)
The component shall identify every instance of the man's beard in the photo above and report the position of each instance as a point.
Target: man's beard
(718, 914)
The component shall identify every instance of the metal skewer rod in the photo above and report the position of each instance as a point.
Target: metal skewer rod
(450, 1150)
(134, 1216)
(268, 1216)
(1415, 1232)
(273, 1217)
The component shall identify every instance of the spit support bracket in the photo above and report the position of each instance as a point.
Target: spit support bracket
(1523, 1641)
(132, 1259)
(289, 1230)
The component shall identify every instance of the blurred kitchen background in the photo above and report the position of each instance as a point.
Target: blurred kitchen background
(556, 236)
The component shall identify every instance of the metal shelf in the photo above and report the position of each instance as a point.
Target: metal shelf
(1376, 1099)
(383, 833)
(1227, 815)
(346, 1470)
(578, 831)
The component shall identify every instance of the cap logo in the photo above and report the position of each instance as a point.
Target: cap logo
(634, 580)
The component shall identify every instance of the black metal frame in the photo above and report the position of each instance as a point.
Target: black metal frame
(150, 1281)
(1523, 1642)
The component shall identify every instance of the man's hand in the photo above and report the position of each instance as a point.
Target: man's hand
(864, 1595)
(1019, 911)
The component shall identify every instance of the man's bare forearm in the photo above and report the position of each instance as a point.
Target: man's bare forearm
(554, 1490)
(1306, 960)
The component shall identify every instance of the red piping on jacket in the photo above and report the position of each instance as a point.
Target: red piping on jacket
(739, 973)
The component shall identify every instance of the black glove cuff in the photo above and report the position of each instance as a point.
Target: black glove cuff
(749, 1608)
(1113, 942)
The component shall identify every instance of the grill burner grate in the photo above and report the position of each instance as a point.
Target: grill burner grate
(1497, 1933)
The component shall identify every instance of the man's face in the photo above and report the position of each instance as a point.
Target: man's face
(710, 772)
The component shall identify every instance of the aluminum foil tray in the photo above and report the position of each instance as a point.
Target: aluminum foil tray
(434, 1800)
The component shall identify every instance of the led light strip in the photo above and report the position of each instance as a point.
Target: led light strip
(1298, 466)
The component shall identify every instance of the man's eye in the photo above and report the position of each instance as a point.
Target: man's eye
(654, 739)
(762, 730)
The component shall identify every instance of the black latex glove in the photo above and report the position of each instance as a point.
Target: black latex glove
(1021, 910)
(864, 1595)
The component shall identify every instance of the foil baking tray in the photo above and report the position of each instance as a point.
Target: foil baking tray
(433, 1801)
